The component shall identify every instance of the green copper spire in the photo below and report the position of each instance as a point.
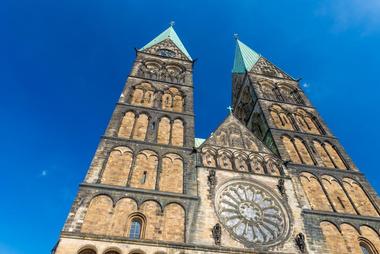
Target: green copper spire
(168, 34)
(245, 58)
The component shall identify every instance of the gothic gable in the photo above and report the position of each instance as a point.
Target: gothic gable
(166, 48)
(233, 134)
(264, 67)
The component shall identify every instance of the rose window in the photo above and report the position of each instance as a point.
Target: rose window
(251, 214)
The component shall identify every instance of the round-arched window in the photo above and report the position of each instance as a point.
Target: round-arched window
(135, 228)
(87, 251)
(366, 247)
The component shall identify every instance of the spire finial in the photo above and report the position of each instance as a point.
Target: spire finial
(236, 36)
(172, 23)
(229, 109)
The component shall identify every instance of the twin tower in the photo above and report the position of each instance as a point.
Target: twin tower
(272, 178)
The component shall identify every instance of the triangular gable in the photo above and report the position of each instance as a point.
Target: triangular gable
(166, 44)
(233, 134)
(263, 66)
(168, 35)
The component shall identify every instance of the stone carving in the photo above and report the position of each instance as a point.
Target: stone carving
(211, 181)
(300, 241)
(166, 46)
(265, 67)
(217, 233)
(162, 71)
(281, 187)
(233, 134)
(251, 214)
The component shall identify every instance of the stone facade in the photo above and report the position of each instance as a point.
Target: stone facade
(271, 178)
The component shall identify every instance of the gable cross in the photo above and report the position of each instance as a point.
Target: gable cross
(229, 109)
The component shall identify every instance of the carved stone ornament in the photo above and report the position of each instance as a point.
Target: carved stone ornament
(251, 213)
(217, 233)
(211, 181)
(300, 241)
(281, 187)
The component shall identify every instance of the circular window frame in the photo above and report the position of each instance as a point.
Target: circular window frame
(285, 209)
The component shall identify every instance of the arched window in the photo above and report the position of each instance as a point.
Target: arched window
(87, 251)
(135, 228)
(365, 248)
(163, 135)
(141, 127)
(127, 124)
(172, 100)
(177, 133)
(112, 252)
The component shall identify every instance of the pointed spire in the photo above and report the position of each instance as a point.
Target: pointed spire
(169, 33)
(245, 57)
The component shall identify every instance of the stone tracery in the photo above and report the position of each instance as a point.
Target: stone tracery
(251, 213)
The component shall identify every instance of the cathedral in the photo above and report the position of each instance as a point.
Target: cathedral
(272, 178)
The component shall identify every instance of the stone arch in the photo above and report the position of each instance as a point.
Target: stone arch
(171, 177)
(314, 192)
(167, 100)
(141, 127)
(351, 237)
(150, 68)
(273, 167)
(286, 93)
(372, 237)
(163, 133)
(303, 151)
(298, 97)
(123, 208)
(174, 223)
(224, 159)
(145, 170)
(240, 160)
(175, 72)
(337, 195)
(280, 118)
(178, 102)
(320, 150)
(359, 198)
(152, 211)
(98, 215)
(127, 124)
(257, 163)
(291, 149)
(306, 122)
(88, 249)
(208, 157)
(173, 100)
(177, 134)
(334, 155)
(112, 250)
(143, 95)
(137, 251)
(267, 90)
(117, 168)
(334, 240)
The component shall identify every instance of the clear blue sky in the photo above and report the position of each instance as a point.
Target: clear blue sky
(63, 65)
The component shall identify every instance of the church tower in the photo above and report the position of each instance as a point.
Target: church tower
(271, 178)
(339, 207)
(141, 183)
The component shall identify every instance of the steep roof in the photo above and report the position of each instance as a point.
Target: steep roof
(245, 58)
(168, 34)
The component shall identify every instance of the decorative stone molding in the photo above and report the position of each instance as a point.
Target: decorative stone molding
(251, 213)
